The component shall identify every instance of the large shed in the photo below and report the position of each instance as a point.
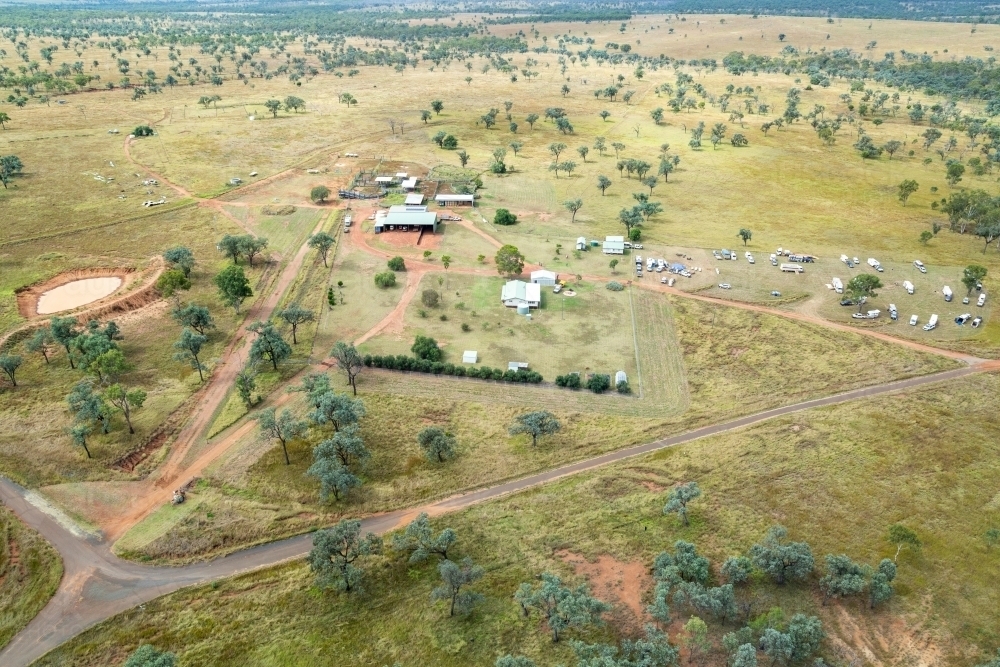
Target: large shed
(614, 245)
(455, 200)
(406, 219)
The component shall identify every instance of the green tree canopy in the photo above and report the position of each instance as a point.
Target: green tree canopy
(509, 261)
(536, 424)
(335, 552)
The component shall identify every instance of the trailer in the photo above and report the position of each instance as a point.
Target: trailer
(931, 323)
(792, 268)
(838, 285)
(908, 286)
(947, 293)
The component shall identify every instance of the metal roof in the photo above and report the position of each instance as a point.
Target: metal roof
(419, 218)
(455, 197)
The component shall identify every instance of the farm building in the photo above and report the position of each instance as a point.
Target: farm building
(383, 180)
(519, 293)
(614, 245)
(414, 199)
(581, 243)
(406, 219)
(543, 277)
(470, 357)
(455, 200)
(517, 365)
(409, 184)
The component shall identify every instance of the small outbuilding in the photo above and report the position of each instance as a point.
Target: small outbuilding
(614, 245)
(620, 377)
(519, 293)
(470, 357)
(517, 365)
(581, 243)
(414, 199)
(383, 180)
(455, 200)
(409, 184)
(543, 277)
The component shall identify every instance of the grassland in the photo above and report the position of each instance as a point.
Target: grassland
(699, 362)
(810, 472)
(30, 571)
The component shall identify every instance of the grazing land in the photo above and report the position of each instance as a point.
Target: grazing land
(691, 132)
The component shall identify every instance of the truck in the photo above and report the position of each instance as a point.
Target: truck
(931, 323)
(908, 286)
(920, 266)
(792, 268)
(838, 285)
(947, 293)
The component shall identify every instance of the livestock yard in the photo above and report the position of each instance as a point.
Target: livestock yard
(260, 282)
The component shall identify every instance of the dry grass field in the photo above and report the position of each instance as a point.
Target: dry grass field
(30, 571)
(923, 458)
(835, 477)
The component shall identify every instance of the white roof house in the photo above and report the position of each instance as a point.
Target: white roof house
(581, 243)
(614, 245)
(409, 184)
(519, 293)
(470, 357)
(544, 277)
(414, 199)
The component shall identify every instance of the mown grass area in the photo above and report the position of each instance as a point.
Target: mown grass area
(836, 477)
(36, 413)
(30, 571)
(701, 363)
(588, 332)
(285, 233)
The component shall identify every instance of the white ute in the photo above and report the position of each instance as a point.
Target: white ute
(982, 300)
(838, 285)
(932, 323)
(913, 320)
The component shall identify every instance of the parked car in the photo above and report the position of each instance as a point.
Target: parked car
(920, 266)
(913, 320)
(846, 302)
(850, 264)
(725, 286)
(947, 293)
(982, 300)
(637, 246)
(775, 293)
(976, 322)
(663, 280)
(963, 318)
(715, 254)
(750, 259)
(557, 288)
(931, 323)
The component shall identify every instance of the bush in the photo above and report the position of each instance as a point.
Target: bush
(615, 286)
(171, 281)
(426, 348)
(319, 194)
(570, 381)
(635, 234)
(414, 364)
(449, 142)
(498, 168)
(443, 318)
(504, 217)
(385, 279)
(143, 131)
(599, 383)
(466, 328)
(623, 387)
(430, 298)
(397, 264)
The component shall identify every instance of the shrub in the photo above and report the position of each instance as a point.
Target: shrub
(143, 131)
(450, 142)
(599, 383)
(623, 387)
(397, 264)
(171, 281)
(615, 286)
(443, 318)
(414, 364)
(426, 348)
(570, 381)
(466, 328)
(430, 298)
(504, 217)
(385, 279)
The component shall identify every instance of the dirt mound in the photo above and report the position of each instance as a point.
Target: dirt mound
(287, 209)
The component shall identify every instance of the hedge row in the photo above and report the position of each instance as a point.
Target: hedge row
(402, 362)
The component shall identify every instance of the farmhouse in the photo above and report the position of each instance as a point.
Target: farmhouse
(519, 293)
(543, 277)
(455, 200)
(406, 219)
(614, 245)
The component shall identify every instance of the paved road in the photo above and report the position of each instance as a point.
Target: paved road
(97, 585)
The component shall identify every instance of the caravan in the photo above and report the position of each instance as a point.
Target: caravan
(838, 285)
(908, 286)
(932, 323)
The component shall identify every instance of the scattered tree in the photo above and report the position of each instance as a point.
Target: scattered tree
(437, 444)
(322, 242)
(573, 205)
(603, 183)
(180, 258)
(268, 344)
(862, 287)
(746, 235)
(782, 560)
(188, 348)
(509, 261)
(972, 276)
(40, 342)
(9, 363)
(901, 537)
(349, 360)
(273, 106)
(234, 288)
(504, 218)
(843, 578)
(319, 194)
(295, 315)
(455, 576)
(907, 188)
(283, 427)
(386, 279)
(561, 607)
(880, 588)
(427, 348)
(126, 401)
(334, 552)
(194, 316)
(437, 106)
(535, 424)
(678, 499)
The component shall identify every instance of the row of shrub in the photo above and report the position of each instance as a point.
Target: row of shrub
(597, 383)
(402, 362)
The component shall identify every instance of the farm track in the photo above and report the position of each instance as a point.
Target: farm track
(97, 585)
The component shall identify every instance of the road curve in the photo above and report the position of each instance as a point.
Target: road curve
(98, 585)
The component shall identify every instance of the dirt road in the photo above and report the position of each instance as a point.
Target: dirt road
(97, 585)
